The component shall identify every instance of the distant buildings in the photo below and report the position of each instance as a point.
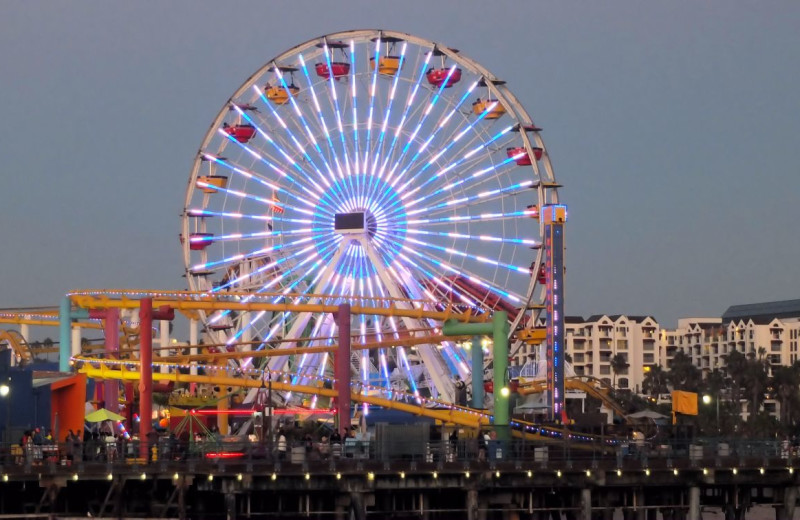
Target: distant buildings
(770, 330)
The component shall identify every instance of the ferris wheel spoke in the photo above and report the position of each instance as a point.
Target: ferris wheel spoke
(483, 217)
(476, 196)
(275, 281)
(331, 173)
(479, 238)
(480, 198)
(439, 263)
(271, 162)
(250, 175)
(270, 266)
(412, 94)
(379, 149)
(433, 178)
(216, 264)
(427, 142)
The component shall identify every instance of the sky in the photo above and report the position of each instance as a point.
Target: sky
(673, 127)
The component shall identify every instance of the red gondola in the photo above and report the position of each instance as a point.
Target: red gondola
(200, 241)
(541, 276)
(437, 77)
(524, 160)
(241, 133)
(337, 69)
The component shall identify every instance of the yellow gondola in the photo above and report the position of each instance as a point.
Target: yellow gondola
(280, 95)
(482, 105)
(387, 65)
(210, 183)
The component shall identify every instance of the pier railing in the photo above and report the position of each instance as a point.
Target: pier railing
(222, 453)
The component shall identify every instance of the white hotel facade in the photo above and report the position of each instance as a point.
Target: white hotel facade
(594, 341)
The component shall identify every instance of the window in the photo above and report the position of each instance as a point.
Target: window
(622, 382)
(605, 370)
(648, 358)
(622, 344)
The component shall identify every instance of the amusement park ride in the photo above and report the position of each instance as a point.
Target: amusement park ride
(354, 194)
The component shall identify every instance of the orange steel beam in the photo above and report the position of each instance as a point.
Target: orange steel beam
(410, 341)
(95, 368)
(21, 320)
(204, 303)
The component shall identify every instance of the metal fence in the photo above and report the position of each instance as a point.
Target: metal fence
(723, 451)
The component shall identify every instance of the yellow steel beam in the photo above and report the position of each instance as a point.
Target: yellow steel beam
(97, 369)
(205, 302)
(409, 341)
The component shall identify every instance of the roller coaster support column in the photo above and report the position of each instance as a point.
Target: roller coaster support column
(477, 377)
(498, 328)
(342, 367)
(111, 331)
(66, 315)
(146, 317)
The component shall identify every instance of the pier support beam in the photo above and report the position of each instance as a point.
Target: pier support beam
(586, 504)
(472, 499)
(786, 511)
(694, 503)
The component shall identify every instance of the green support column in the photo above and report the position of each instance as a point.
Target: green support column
(477, 373)
(65, 317)
(499, 329)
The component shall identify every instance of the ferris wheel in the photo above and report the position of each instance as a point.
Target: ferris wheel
(369, 164)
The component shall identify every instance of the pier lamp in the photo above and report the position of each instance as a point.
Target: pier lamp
(5, 392)
(707, 400)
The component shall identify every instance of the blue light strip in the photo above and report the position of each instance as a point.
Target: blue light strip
(305, 176)
(401, 353)
(422, 120)
(472, 218)
(267, 201)
(331, 149)
(452, 165)
(335, 99)
(483, 238)
(458, 271)
(273, 282)
(244, 256)
(386, 114)
(444, 190)
(450, 355)
(461, 202)
(409, 103)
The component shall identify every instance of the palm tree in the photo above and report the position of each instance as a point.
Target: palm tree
(619, 363)
(785, 383)
(755, 379)
(683, 374)
(655, 381)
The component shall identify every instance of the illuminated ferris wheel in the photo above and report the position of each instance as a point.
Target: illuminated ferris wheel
(369, 164)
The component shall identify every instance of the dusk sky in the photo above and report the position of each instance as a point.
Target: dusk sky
(674, 128)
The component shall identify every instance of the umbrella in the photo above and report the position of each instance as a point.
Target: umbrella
(103, 415)
(648, 414)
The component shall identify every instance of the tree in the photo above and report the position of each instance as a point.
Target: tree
(619, 363)
(683, 374)
(785, 383)
(655, 381)
(755, 379)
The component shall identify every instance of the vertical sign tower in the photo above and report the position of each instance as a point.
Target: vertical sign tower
(555, 216)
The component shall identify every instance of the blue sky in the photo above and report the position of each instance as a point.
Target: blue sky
(673, 127)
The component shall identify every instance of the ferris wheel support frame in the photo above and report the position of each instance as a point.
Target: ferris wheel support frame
(498, 328)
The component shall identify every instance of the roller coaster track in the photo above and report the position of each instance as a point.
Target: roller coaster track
(586, 384)
(18, 344)
(188, 301)
(98, 368)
